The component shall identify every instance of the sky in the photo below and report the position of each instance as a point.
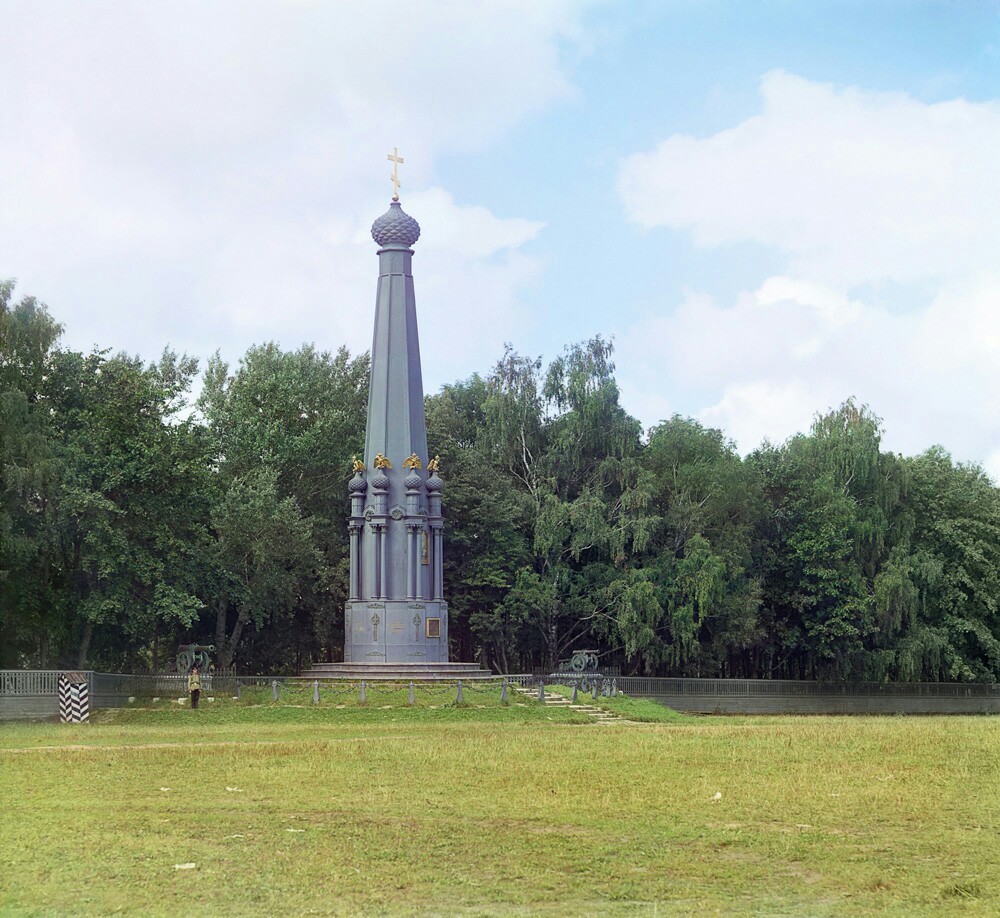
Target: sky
(770, 207)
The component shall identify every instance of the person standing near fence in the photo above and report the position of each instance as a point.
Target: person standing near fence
(194, 685)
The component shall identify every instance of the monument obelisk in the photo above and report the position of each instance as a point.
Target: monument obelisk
(396, 612)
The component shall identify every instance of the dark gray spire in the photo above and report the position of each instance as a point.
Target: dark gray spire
(396, 396)
(396, 611)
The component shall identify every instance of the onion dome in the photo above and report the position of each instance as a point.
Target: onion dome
(357, 484)
(380, 481)
(434, 483)
(395, 227)
(412, 481)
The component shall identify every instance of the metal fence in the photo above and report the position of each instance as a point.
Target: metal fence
(642, 685)
(29, 682)
(786, 696)
(33, 693)
(29, 694)
(789, 696)
(128, 685)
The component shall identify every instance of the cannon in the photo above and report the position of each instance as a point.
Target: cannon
(190, 654)
(583, 661)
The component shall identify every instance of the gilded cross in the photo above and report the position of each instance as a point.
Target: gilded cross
(396, 160)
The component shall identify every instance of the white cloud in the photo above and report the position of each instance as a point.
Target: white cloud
(853, 186)
(867, 196)
(206, 173)
(993, 467)
(765, 365)
(748, 408)
(468, 231)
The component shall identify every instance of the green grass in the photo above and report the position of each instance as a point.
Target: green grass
(289, 809)
(293, 717)
(639, 710)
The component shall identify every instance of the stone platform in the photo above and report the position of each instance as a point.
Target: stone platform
(398, 672)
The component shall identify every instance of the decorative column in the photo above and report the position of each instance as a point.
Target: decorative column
(438, 562)
(411, 559)
(353, 586)
(436, 523)
(357, 488)
(376, 516)
(414, 486)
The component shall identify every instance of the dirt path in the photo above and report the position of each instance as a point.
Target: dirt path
(78, 747)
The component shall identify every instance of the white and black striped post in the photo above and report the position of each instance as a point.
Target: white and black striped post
(74, 698)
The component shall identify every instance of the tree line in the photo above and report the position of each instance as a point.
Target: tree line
(135, 517)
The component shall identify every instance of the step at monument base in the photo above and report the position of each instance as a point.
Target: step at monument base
(398, 672)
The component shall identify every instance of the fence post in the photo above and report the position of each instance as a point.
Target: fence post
(315, 691)
(364, 694)
(274, 689)
(413, 698)
(503, 692)
(458, 697)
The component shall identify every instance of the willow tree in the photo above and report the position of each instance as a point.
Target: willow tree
(835, 499)
(938, 599)
(563, 436)
(702, 615)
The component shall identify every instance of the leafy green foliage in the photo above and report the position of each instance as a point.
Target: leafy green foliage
(132, 521)
(561, 439)
(283, 426)
(27, 337)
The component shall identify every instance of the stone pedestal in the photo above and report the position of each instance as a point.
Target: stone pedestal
(396, 631)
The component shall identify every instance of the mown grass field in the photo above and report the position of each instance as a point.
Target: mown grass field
(384, 809)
